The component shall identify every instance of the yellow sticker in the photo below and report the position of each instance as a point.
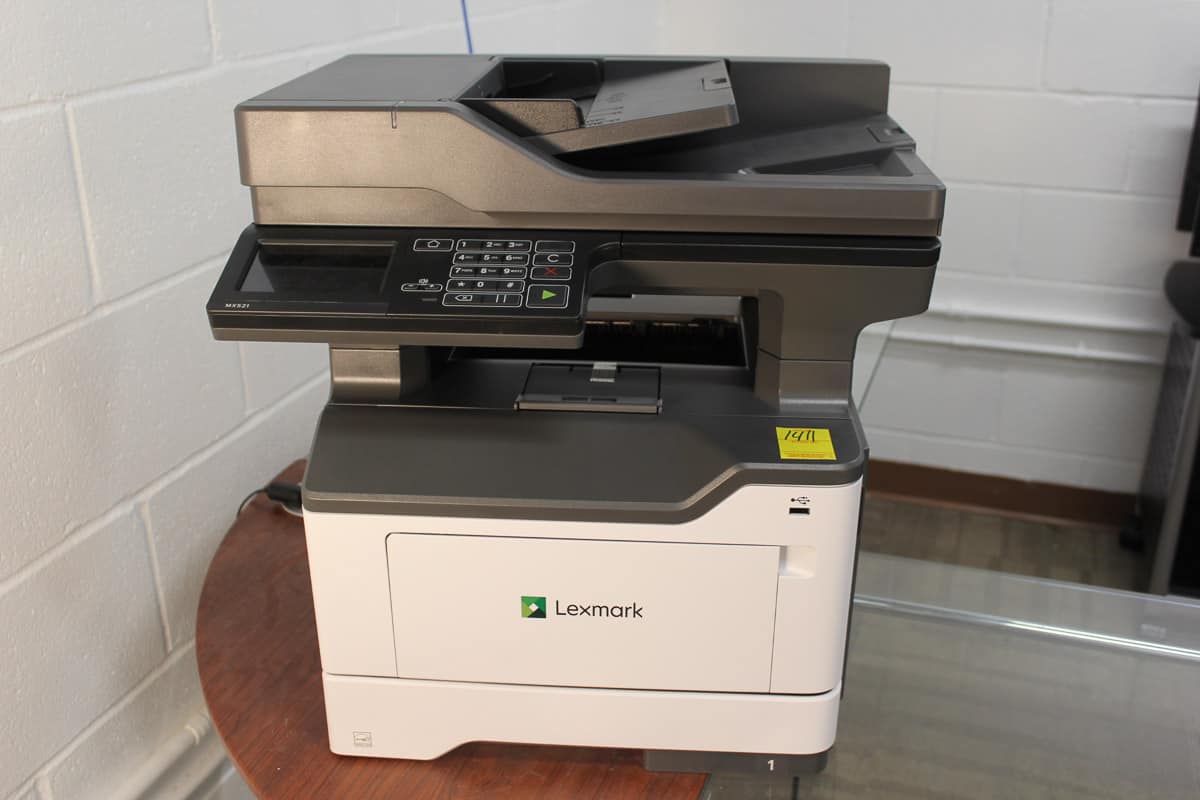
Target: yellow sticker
(807, 444)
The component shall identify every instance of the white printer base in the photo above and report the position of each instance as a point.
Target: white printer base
(399, 718)
(724, 633)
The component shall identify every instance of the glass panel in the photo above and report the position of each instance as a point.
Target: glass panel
(969, 683)
(333, 271)
(871, 344)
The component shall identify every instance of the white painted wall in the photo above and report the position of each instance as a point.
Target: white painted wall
(129, 434)
(1060, 126)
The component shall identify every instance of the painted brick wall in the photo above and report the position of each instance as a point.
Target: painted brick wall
(1060, 128)
(130, 435)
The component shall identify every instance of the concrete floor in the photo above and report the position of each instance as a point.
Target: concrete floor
(992, 540)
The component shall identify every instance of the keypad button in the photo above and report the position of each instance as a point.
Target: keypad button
(553, 260)
(463, 272)
(433, 245)
(495, 245)
(474, 299)
(551, 273)
(554, 246)
(467, 258)
(420, 287)
(500, 272)
(488, 285)
(547, 296)
(511, 259)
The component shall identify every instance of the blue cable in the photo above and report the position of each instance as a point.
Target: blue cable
(467, 25)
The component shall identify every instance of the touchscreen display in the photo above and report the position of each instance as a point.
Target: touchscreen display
(319, 271)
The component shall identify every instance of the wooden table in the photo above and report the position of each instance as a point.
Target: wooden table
(256, 644)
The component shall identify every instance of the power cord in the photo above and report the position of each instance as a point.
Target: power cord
(285, 494)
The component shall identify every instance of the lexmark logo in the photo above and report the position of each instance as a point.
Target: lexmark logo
(572, 610)
(534, 607)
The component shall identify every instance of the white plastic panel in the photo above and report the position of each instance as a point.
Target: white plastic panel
(424, 719)
(813, 601)
(643, 615)
(348, 561)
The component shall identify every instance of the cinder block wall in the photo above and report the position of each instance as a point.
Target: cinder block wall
(1061, 129)
(1060, 126)
(129, 435)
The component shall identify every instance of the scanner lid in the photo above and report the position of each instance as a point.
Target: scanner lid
(558, 104)
(721, 145)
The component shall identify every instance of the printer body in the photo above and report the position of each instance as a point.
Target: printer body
(589, 473)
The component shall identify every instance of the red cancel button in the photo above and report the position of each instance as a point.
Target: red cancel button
(551, 274)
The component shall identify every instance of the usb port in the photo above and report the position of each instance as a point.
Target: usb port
(797, 510)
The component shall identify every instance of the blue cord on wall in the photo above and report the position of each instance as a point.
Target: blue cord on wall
(467, 26)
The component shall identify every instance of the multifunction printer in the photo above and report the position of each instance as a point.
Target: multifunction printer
(589, 473)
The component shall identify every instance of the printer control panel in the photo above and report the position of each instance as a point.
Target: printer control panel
(500, 273)
(405, 285)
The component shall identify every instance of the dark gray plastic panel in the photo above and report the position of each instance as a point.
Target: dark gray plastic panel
(555, 465)
(803, 157)
(384, 79)
(636, 103)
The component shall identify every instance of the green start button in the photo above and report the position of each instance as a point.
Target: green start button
(547, 296)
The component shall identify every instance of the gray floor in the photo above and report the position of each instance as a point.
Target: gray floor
(989, 540)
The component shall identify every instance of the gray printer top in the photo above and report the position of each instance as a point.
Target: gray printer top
(487, 243)
(685, 144)
(564, 104)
